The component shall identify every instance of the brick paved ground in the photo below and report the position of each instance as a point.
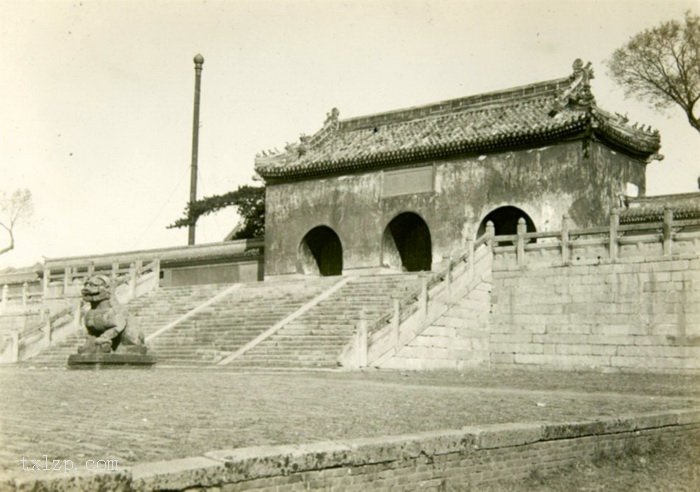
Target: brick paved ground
(669, 385)
(141, 415)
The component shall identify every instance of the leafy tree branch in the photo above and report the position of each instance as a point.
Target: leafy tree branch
(250, 205)
(661, 66)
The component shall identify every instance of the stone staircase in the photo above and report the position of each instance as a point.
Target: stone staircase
(236, 319)
(150, 312)
(315, 339)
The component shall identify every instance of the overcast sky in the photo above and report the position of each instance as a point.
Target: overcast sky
(96, 105)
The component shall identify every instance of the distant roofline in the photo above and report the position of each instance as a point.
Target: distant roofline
(165, 253)
(651, 198)
(651, 208)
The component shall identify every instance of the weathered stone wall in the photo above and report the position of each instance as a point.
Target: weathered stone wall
(641, 315)
(218, 273)
(545, 183)
(440, 460)
(607, 173)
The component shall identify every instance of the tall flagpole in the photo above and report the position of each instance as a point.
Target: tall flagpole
(198, 62)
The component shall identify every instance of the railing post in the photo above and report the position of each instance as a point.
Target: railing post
(490, 234)
(76, 315)
(423, 301)
(396, 325)
(614, 226)
(15, 346)
(115, 272)
(45, 280)
(362, 340)
(565, 239)
(132, 279)
(25, 294)
(520, 249)
(46, 314)
(470, 258)
(565, 247)
(668, 231)
(448, 279)
(156, 271)
(91, 269)
(138, 268)
(67, 274)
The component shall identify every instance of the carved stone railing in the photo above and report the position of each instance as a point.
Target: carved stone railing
(28, 298)
(63, 283)
(129, 280)
(596, 245)
(59, 304)
(415, 311)
(54, 328)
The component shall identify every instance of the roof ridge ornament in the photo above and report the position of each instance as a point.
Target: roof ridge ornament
(579, 91)
(303, 145)
(332, 117)
(330, 125)
(582, 95)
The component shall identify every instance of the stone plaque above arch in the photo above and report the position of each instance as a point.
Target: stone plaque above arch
(408, 181)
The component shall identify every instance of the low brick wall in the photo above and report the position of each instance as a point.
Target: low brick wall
(642, 314)
(456, 459)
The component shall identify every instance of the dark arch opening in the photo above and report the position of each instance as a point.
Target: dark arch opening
(406, 244)
(321, 253)
(505, 221)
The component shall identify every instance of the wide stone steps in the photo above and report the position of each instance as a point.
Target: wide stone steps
(57, 355)
(149, 312)
(164, 306)
(316, 338)
(312, 340)
(224, 327)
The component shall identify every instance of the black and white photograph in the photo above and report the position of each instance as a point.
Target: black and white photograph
(349, 245)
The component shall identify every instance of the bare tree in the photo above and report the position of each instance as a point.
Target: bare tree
(14, 208)
(662, 66)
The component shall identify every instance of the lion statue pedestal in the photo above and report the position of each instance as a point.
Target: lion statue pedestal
(110, 340)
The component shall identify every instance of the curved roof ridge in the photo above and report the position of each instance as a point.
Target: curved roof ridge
(472, 102)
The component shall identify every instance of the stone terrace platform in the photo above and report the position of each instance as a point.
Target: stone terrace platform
(139, 416)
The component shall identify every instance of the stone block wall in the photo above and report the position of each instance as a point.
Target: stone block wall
(634, 315)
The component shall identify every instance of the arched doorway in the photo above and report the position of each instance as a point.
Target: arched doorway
(505, 221)
(406, 244)
(320, 252)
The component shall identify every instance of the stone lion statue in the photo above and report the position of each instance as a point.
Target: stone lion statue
(107, 325)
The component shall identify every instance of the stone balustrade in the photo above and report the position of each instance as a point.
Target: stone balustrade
(599, 245)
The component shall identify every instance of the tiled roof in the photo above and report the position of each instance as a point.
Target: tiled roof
(514, 118)
(20, 275)
(651, 208)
